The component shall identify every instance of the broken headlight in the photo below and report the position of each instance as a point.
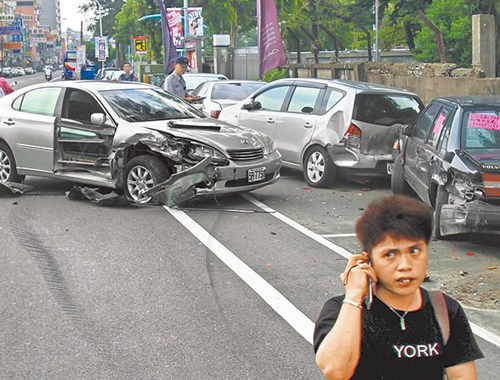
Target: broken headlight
(197, 151)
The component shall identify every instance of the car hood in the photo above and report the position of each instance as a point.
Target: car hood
(212, 132)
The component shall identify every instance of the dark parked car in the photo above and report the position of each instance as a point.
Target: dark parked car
(450, 157)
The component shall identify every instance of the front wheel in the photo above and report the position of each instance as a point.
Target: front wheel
(319, 169)
(8, 170)
(141, 174)
(442, 198)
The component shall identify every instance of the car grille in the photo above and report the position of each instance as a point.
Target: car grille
(244, 181)
(246, 154)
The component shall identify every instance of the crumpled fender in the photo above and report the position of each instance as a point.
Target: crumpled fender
(14, 188)
(181, 186)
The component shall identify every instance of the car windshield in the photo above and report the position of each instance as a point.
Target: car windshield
(135, 105)
(386, 109)
(481, 128)
(234, 91)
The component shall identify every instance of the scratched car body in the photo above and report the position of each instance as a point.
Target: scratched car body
(129, 136)
(450, 157)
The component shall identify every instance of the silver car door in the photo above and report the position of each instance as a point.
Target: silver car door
(296, 125)
(31, 122)
(265, 113)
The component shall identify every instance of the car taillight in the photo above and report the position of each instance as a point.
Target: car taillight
(215, 114)
(491, 184)
(352, 137)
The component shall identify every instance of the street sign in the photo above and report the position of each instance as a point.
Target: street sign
(11, 29)
(101, 56)
(141, 45)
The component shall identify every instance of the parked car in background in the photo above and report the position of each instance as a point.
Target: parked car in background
(193, 80)
(216, 95)
(450, 157)
(329, 127)
(29, 70)
(129, 136)
(115, 75)
(102, 72)
(18, 71)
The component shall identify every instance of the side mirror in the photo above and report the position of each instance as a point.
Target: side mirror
(252, 105)
(448, 156)
(98, 119)
(407, 129)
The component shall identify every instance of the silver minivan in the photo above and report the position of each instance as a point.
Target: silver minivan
(329, 127)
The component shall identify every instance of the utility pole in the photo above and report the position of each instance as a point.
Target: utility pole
(100, 27)
(377, 53)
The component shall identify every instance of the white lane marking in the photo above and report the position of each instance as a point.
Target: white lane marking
(338, 235)
(321, 240)
(476, 329)
(288, 311)
(485, 334)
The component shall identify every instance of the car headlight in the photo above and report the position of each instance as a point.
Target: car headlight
(269, 145)
(200, 151)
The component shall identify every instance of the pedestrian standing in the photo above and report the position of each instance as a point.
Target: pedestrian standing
(175, 83)
(128, 75)
(407, 333)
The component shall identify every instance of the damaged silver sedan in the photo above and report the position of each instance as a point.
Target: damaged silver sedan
(450, 158)
(131, 137)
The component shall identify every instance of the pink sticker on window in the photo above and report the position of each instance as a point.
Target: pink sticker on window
(484, 121)
(439, 124)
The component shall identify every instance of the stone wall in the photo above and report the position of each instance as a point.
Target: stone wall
(428, 80)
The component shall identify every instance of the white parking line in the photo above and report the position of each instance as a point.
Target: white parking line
(327, 243)
(293, 316)
(337, 235)
(476, 329)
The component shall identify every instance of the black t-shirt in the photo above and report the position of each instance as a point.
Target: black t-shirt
(417, 353)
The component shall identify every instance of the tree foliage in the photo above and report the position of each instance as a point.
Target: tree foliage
(318, 24)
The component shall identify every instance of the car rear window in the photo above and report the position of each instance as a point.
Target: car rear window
(234, 91)
(386, 109)
(482, 129)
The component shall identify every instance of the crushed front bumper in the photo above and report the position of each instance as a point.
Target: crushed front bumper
(471, 217)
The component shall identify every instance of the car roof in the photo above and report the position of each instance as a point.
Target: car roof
(473, 100)
(94, 85)
(348, 84)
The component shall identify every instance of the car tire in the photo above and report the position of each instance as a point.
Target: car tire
(319, 169)
(442, 197)
(142, 173)
(8, 168)
(399, 185)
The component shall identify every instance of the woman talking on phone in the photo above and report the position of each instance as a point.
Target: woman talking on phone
(404, 331)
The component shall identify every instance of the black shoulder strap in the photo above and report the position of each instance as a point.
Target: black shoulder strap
(441, 311)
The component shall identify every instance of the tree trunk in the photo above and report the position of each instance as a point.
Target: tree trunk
(335, 42)
(297, 43)
(368, 44)
(409, 36)
(437, 33)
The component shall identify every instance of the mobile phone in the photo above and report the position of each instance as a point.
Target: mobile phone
(369, 299)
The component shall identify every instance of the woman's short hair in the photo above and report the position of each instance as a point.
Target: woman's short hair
(397, 216)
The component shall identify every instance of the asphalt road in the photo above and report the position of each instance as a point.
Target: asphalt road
(226, 288)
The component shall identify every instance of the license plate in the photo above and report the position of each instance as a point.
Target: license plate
(390, 167)
(257, 174)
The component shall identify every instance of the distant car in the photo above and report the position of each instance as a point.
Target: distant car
(7, 72)
(193, 80)
(115, 75)
(223, 93)
(129, 136)
(102, 72)
(29, 70)
(18, 71)
(450, 157)
(326, 127)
